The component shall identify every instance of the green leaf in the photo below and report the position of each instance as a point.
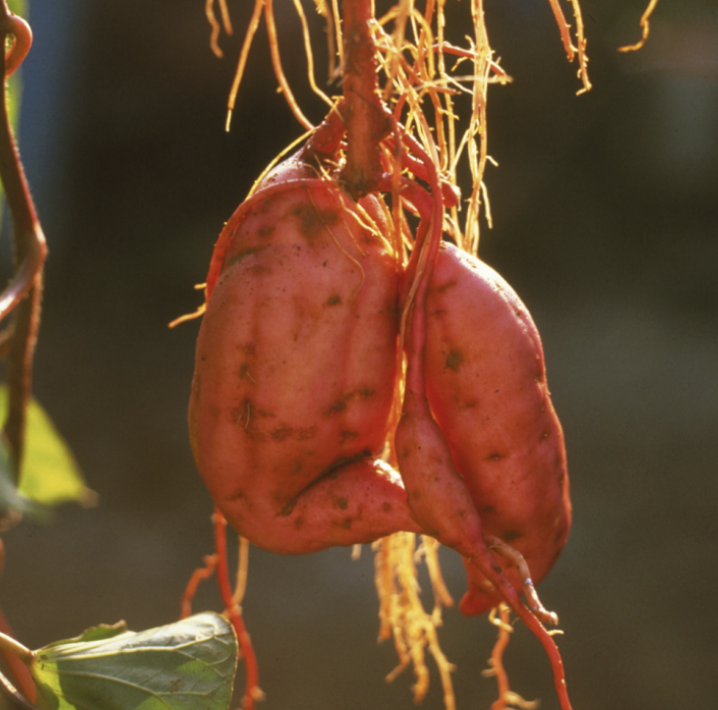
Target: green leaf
(101, 632)
(14, 85)
(10, 497)
(189, 665)
(49, 475)
(18, 7)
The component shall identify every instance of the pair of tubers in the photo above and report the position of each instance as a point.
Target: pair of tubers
(299, 391)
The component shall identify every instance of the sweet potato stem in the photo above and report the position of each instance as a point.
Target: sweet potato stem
(365, 116)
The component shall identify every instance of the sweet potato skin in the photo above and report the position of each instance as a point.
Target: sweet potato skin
(486, 385)
(295, 371)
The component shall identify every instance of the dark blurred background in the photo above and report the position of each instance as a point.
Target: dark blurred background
(605, 222)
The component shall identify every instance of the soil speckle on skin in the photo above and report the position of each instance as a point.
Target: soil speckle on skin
(244, 371)
(241, 255)
(337, 407)
(282, 433)
(334, 300)
(312, 222)
(302, 433)
(308, 220)
(343, 503)
(288, 508)
(363, 392)
(454, 359)
(511, 535)
(263, 206)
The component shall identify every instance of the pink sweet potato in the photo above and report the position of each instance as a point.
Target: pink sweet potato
(463, 349)
(486, 385)
(295, 369)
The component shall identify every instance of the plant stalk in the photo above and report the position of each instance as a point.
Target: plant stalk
(365, 115)
(23, 294)
(9, 644)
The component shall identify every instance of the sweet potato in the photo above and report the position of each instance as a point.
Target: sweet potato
(446, 486)
(295, 369)
(296, 366)
(486, 385)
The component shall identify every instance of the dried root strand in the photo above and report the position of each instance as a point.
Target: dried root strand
(310, 54)
(417, 76)
(507, 699)
(415, 82)
(246, 46)
(403, 617)
(240, 585)
(429, 550)
(266, 7)
(324, 11)
(216, 28)
(579, 49)
(644, 27)
(277, 65)
(190, 316)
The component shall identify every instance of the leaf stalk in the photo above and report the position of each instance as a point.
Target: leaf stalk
(11, 645)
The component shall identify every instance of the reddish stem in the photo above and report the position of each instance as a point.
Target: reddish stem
(486, 564)
(201, 573)
(326, 140)
(251, 691)
(30, 250)
(365, 116)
